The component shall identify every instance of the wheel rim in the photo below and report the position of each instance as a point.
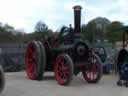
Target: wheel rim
(30, 60)
(61, 70)
(92, 73)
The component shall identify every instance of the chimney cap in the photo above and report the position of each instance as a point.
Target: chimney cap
(77, 7)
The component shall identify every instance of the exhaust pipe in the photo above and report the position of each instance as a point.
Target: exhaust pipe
(77, 20)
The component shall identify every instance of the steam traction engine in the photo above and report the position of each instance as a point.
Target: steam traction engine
(66, 56)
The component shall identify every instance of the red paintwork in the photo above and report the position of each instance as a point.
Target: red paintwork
(30, 61)
(91, 74)
(62, 76)
(81, 65)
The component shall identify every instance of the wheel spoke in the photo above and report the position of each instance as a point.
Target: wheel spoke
(30, 60)
(93, 74)
(62, 69)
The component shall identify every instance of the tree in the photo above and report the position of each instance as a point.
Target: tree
(41, 31)
(83, 31)
(7, 34)
(113, 35)
(96, 29)
(8, 28)
(1, 27)
(41, 27)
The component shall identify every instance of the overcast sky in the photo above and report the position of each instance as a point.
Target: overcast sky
(23, 14)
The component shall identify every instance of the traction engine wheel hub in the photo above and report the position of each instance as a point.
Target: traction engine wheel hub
(81, 50)
(94, 73)
(63, 69)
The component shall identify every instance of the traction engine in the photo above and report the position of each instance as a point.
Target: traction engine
(66, 56)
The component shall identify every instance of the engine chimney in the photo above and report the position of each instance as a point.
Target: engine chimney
(77, 20)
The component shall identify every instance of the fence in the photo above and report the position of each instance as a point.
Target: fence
(12, 56)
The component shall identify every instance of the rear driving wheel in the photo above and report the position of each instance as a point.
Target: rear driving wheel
(63, 69)
(94, 73)
(43, 59)
(33, 60)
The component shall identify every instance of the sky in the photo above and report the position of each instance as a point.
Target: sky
(24, 14)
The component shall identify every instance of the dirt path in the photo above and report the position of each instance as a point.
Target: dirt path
(17, 84)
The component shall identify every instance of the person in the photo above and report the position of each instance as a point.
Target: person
(70, 36)
(71, 29)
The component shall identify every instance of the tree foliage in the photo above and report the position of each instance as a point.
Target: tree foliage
(98, 28)
(102, 29)
(41, 27)
(84, 34)
(113, 35)
(95, 29)
(7, 34)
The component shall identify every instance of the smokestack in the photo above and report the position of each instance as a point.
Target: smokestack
(77, 19)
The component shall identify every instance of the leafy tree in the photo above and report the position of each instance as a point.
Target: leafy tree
(96, 29)
(9, 35)
(83, 31)
(113, 35)
(41, 31)
(1, 28)
(8, 28)
(41, 27)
